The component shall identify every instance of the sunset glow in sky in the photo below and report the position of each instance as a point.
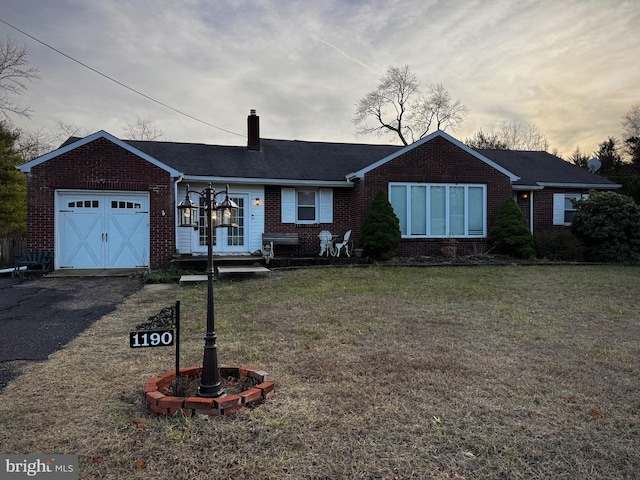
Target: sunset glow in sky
(569, 67)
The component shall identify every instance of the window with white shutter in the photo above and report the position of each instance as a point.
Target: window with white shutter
(307, 205)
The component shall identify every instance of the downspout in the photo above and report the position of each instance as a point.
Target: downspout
(175, 217)
(531, 211)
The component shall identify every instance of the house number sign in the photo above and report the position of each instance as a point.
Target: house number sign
(156, 338)
(157, 332)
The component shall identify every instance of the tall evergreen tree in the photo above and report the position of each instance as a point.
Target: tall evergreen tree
(13, 186)
(632, 145)
(609, 155)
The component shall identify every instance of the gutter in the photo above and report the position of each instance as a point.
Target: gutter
(588, 186)
(596, 186)
(526, 188)
(268, 181)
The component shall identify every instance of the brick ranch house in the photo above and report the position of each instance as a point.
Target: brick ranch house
(102, 202)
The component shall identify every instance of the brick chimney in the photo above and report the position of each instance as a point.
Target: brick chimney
(253, 131)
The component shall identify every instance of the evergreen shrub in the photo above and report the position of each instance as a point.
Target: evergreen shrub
(510, 234)
(380, 233)
(608, 225)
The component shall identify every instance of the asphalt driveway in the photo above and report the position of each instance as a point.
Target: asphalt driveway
(38, 317)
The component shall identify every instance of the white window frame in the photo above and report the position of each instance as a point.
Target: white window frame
(559, 206)
(323, 204)
(300, 205)
(448, 225)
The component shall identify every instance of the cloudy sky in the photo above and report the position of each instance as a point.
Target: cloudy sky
(568, 66)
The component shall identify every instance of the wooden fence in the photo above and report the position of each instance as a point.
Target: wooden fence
(9, 246)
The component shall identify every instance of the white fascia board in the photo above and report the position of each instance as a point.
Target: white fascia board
(590, 186)
(268, 181)
(439, 133)
(26, 167)
(527, 188)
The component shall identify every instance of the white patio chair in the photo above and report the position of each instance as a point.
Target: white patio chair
(343, 244)
(326, 242)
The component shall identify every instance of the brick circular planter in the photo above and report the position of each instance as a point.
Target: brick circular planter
(208, 407)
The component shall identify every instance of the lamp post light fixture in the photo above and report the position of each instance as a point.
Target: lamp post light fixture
(217, 215)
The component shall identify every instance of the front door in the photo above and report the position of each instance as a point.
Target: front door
(232, 240)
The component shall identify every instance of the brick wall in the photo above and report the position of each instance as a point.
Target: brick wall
(543, 208)
(101, 165)
(309, 241)
(436, 161)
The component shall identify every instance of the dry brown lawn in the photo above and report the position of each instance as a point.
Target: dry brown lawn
(382, 373)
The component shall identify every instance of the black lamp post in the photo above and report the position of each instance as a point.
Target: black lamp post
(217, 215)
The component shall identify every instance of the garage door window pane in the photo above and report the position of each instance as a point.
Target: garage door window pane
(84, 204)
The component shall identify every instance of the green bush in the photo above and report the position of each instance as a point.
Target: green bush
(559, 245)
(510, 234)
(608, 225)
(380, 232)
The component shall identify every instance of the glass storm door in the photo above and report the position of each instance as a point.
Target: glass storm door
(225, 240)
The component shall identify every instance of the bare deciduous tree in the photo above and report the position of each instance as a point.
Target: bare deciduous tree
(143, 129)
(489, 140)
(511, 136)
(34, 143)
(14, 73)
(66, 130)
(631, 133)
(398, 107)
(523, 137)
(631, 122)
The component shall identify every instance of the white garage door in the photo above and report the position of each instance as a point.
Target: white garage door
(102, 230)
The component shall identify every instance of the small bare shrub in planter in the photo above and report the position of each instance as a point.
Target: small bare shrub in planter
(449, 247)
(186, 386)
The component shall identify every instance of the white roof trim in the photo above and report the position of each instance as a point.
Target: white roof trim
(527, 187)
(600, 186)
(268, 181)
(26, 167)
(439, 133)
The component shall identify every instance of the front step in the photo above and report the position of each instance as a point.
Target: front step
(238, 270)
(191, 279)
(234, 270)
(199, 262)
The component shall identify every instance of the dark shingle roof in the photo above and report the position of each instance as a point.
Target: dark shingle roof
(542, 167)
(325, 161)
(277, 159)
